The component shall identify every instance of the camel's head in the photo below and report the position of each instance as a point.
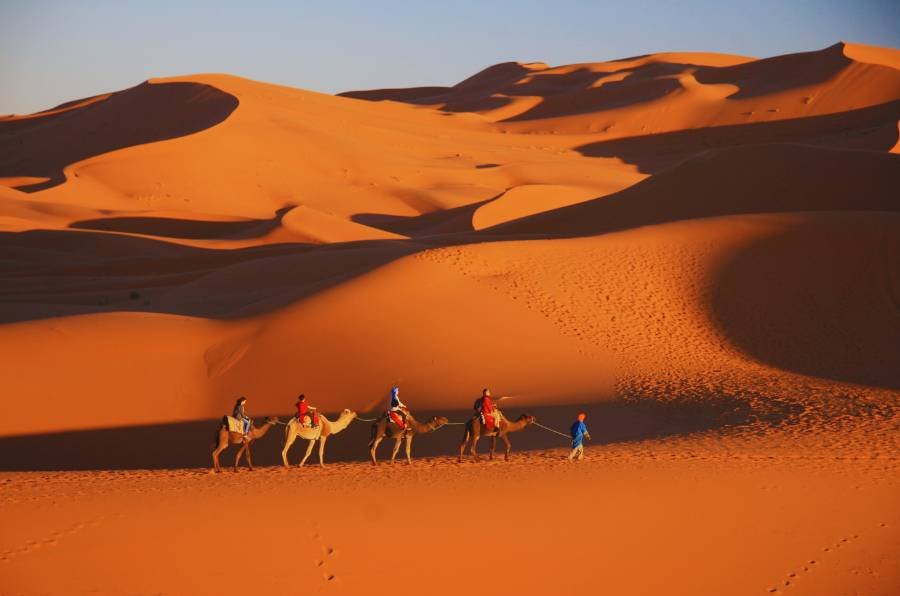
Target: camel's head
(528, 418)
(346, 412)
(439, 421)
(272, 420)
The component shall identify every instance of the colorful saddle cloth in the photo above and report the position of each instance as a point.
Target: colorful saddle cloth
(235, 425)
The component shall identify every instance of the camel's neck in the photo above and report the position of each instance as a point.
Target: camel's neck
(262, 430)
(512, 427)
(420, 427)
(340, 424)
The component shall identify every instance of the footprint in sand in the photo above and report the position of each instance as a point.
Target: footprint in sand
(327, 551)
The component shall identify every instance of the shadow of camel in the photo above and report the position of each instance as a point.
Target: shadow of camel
(41, 146)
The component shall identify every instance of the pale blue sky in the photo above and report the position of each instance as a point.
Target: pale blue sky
(53, 51)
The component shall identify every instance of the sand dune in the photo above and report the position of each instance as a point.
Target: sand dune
(666, 92)
(750, 179)
(701, 250)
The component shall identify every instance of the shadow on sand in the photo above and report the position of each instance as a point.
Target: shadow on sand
(188, 444)
(42, 147)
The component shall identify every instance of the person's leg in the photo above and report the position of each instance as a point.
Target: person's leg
(581, 452)
(572, 453)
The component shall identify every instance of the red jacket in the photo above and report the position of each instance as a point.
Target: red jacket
(302, 409)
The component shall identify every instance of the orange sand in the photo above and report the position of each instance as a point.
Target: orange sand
(702, 251)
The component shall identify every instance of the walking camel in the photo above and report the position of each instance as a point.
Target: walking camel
(320, 433)
(474, 432)
(381, 430)
(224, 438)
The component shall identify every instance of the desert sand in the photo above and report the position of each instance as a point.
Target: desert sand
(702, 251)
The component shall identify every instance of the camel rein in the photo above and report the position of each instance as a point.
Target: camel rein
(552, 430)
(361, 419)
(450, 424)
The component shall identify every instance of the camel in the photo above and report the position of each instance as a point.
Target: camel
(473, 433)
(319, 433)
(224, 438)
(381, 429)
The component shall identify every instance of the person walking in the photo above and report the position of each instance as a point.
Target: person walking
(579, 433)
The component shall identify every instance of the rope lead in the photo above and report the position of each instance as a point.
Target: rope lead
(553, 431)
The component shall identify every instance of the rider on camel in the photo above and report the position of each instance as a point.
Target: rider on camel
(240, 413)
(306, 413)
(398, 410)
(484, 408)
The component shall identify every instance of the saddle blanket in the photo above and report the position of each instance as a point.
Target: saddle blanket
(306, 422)
(235, 425)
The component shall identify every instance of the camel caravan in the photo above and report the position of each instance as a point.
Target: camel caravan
(396, 423)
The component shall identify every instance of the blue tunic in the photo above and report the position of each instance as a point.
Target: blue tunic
(578, 431)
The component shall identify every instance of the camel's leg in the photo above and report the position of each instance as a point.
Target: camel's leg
(397, 440)
(474, 446)
(215, 455)
(493, 445)
(288, 441)
(249, 459)
(373, 446)
(239, 455)
(309, 449)
(322, 440)
(409, 439)
(508, 446)
(462, 446)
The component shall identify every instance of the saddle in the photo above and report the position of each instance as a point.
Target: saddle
(404, 416)
(497, 418)
(235, 425)
(307, 422)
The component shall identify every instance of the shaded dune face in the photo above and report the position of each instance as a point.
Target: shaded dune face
(183, 228)
(821, 298)
(803, 84)
(741, 180)
(42, 146)
(872, 128)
